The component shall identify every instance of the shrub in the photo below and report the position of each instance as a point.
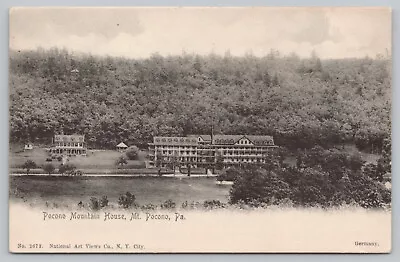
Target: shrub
(132, 153)
(192, 205)
(49, 168)
(97, 204)
(126, 200)
(28, 165)
(49, 159)
(59, 158)
(228, 174)
(94, 204)
(67, 168)
(169, 204)
(78, 173)
(103, 202)
(149, 207)
(121, 161)
(185, 204)
(212, 204)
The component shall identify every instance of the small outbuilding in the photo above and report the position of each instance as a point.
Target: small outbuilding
(122, 146)
(28, 146)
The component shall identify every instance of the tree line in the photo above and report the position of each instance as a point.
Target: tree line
(301, 102)
(323, 178)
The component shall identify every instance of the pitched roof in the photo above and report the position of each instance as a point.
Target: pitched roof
(261, 140)
(176, 140)
(217, 140)
(232, 139)
(69, 138)
(204, 137)
(122, 144)
(226, 139)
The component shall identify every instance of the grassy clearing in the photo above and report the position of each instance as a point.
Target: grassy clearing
(38, 155)
(71, 190)
(95, 159)
(103, 161)
(367, 157)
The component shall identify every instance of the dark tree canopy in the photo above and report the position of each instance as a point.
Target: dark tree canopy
(132, 153)
(301, 102)
(49, 168)
(28, 165)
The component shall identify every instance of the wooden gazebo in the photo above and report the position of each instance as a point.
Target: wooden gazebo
(122, 146)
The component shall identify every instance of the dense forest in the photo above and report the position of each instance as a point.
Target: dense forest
(301, 102)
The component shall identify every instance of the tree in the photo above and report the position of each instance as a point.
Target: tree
(312, 187)
(126, 200)
(229, 174)
(355, 162)
(28, 165)
(49, 168)
(311, 108)
(374, 171)
(132, 153)
(385, 161)
(121, 161)
(256, 186)
(219, 160)
(67, 168)
(271, 161)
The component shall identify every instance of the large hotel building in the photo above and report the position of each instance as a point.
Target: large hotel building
(203, 150)
(68, 145)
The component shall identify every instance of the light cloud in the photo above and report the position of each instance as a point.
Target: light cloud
(139, 32)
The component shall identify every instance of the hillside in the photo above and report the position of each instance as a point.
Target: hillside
(301, 102)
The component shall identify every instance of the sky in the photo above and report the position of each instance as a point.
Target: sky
(139, 32)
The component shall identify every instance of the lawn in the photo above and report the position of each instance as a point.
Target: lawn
(100, 159)
(103, 161)
(367, 157)
(71, 190)
(38, 155)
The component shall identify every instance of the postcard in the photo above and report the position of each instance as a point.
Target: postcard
(200, 129)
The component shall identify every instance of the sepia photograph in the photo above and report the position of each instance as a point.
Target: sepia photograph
(200, 129)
